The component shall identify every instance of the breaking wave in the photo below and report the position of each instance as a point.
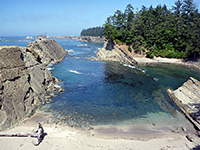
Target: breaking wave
(74, 71)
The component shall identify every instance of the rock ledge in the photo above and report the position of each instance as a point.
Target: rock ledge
(187, 98)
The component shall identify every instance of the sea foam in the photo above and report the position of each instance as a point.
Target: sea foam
(82, 45)
(130, 66)
(57, 86)
(74, 71)
(70, 51)
(49, 67)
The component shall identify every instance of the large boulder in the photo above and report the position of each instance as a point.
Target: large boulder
(24, 79)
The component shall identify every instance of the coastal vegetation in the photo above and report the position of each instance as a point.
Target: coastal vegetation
(159, 31)
(95, 31)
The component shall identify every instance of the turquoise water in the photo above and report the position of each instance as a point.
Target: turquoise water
(101, 93)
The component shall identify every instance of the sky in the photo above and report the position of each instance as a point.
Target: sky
(62, 17)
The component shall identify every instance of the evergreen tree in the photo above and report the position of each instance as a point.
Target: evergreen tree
(164, 32)
(95, 31)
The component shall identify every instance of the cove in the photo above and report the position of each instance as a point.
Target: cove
(102, 93)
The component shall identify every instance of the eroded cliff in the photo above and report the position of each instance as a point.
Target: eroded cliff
(111, 52)
(24, 79)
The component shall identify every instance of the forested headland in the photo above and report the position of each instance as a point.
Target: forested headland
(95, 31)
(159, 31)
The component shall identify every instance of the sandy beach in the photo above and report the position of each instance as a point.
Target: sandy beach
(190, 64)
(61, 137)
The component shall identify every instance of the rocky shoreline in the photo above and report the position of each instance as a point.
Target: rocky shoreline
(24, 79)
(120, 53)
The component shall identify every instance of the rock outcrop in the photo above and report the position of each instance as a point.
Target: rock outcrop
(46, 51)
(110, 52)
(187, 98)
(24, 79)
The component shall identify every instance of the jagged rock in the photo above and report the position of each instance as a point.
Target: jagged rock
(189, 95)
(52, 95)
(61, 90)
(28, 58)
(46, 51)
(41, 37)
(54, 88)
(11, 58)
(187, 98)
(24, 78)
(110, 52)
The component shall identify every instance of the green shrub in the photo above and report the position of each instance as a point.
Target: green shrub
(150, 54)
(181, 54)
(156, 53)
(117, 41)
(143, 49)
(129, 49)
(171, 54)
(169, 47)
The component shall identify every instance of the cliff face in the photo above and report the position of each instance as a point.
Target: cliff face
(24, 78)
(110, 52)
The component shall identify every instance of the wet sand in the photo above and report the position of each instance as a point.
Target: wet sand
(109, 137)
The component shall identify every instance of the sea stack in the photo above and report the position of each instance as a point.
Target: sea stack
(24, 79)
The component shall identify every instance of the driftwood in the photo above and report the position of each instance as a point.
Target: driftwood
(39, 134)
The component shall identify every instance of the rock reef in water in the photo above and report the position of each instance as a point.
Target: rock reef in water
(110, 52)
(96, 39)
(24, 79)
(187, 98)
